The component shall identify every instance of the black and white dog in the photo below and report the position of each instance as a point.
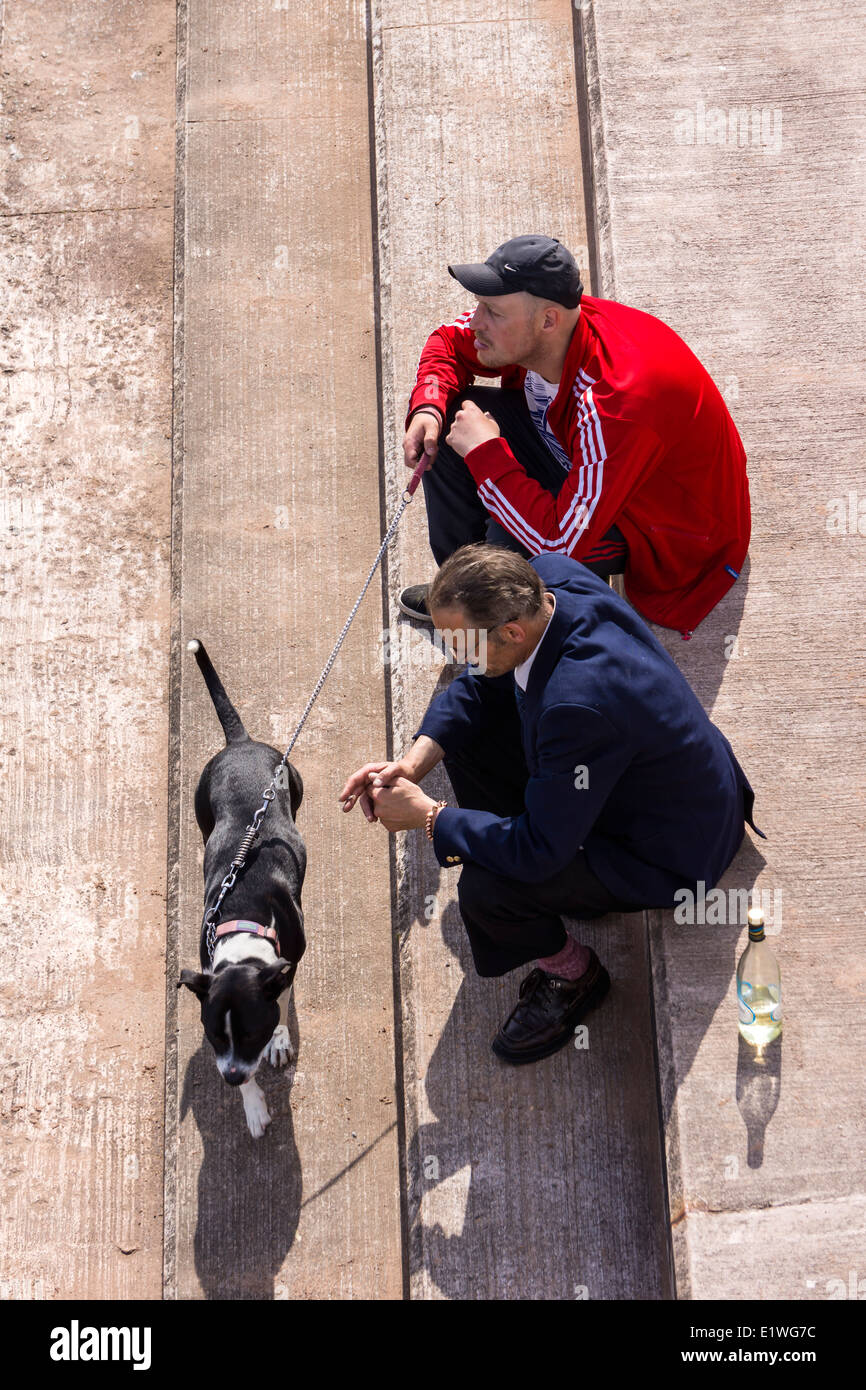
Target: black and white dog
(256, 954)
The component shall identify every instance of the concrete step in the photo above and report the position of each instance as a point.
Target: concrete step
(729, 161)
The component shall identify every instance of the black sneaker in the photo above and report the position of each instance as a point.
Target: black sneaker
(414, 602)
(547, 1012)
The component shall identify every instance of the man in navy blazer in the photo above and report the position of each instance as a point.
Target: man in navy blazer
(587, 776)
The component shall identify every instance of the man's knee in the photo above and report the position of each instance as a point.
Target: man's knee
(481, 395)
(471, 888)
(501, 404)
(497, 535)
(480, 892)
(609, 555)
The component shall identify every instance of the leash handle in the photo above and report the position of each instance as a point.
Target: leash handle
(420, 470)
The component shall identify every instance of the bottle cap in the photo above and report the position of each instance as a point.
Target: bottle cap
(756, 917)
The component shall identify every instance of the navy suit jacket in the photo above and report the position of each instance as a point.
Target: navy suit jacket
(663, 800)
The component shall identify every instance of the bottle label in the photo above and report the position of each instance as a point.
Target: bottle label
(747, 1014)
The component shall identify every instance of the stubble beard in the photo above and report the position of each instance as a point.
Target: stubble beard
(489, 357)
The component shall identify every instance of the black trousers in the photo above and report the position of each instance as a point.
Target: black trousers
(509, 922)
(456, 514)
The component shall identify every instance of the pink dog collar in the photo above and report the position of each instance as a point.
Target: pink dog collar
(254, 928)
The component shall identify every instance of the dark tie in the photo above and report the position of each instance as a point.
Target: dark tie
(519, 696)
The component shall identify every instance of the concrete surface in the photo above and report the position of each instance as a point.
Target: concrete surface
(329, 164)
(85, 327)
(277, 525)
(747, 235)
(542, 1182)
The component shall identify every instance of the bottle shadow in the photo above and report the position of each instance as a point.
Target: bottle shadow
(759, 1085)
(249, 1190)
(693, 966)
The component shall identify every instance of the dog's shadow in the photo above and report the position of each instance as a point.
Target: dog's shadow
(249, 1190)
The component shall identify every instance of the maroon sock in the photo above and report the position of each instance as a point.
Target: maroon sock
(569, 963)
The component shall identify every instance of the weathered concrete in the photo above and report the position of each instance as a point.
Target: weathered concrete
(751, 247)
(86, 227)
(403, 1158)
(542, 1182)
(277, 466)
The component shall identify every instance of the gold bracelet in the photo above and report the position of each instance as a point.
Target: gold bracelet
(430, 817)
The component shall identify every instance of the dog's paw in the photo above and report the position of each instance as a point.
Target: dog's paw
(279, 1050)
(255, 1109)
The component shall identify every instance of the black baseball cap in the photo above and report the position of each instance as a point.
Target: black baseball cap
(537, 264)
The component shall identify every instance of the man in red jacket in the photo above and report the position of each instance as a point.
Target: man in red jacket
(606, 441)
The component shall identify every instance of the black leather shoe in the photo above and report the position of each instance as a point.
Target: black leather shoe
(413, 601)
(547, 1011)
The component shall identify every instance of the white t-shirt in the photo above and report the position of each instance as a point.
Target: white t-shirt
(540, 395)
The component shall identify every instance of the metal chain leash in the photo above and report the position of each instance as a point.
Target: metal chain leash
(212, 914)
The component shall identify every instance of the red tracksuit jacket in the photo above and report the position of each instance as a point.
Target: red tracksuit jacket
(653, 449)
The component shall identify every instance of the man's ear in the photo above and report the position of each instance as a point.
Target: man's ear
(278, 977)
(199, 984)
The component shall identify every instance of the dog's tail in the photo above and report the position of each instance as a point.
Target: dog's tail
(228, 715)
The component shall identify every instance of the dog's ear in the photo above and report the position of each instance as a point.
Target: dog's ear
(278, 977)
(199, 984)
(296, 790)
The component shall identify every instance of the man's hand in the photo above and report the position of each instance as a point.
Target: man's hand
(472, 426)
(358, 786)
(400, 805)
(422, 436)
(424, 754)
